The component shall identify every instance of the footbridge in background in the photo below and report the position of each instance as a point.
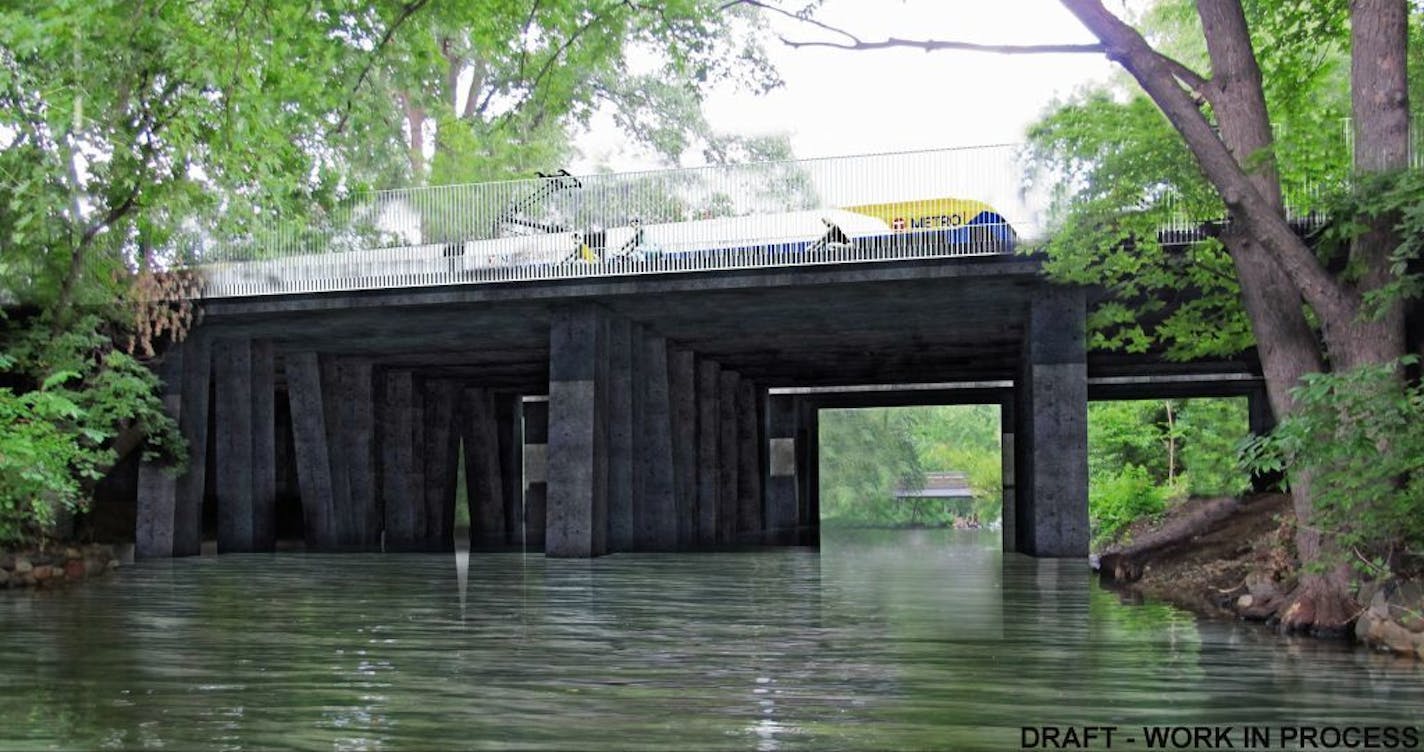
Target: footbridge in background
(626, 362)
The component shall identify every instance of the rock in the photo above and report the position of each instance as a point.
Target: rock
(43, 572)
(1379, 606)
(1245, 601)
(4, 578)
(72, 553)
(1363, 625)
(74, 569)
(1393, 636)
(113, 564)
(93, 566)
(26, 580)
(23, 565)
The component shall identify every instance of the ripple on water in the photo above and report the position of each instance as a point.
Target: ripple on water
(883, 640)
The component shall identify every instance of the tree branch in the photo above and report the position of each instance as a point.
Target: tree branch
(853, 42)
(407, 10)
(1126, 46)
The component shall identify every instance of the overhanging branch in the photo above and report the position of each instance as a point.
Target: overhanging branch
(854, 42)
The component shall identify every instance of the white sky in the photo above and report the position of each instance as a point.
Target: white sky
(837, 102)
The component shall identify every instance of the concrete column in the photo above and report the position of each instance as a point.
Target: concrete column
(309, 437)
(1009, 515)
(232, 435)
(1052, 435)
(483, 478)
(536, 445)
(709, 443)
(656, 528)
(750, 521)
(344, 519)
(637, 367)
(509, 421)
(808, 473)
(441, 442)
(622, 378)
(578, 433)
(264, 446)
(356, 443)
(157, 485)
(403, 511)
(682, 386)
(728, 454)
(196, 429)
(782, 504)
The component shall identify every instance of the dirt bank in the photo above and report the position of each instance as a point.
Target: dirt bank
(1228, 557)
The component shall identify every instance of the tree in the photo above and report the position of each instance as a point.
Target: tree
(1223, 120)
(138, 136)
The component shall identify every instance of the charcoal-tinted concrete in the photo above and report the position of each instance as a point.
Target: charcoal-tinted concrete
(750, 521)
(232, 363)
(157, 484)
(964, 321)
(577, 466)
(536, 444)
(622, 378)
(656, 528)
(509, 422)
(193, 422)
(682, 389)
(356, 442)
(264, 446)
(709, 443)
(440, 444)
(309, 437)
(403, 511)
(728, 457)
(484, 477)
(1007, 465)
(1051, 438)
(782, 507)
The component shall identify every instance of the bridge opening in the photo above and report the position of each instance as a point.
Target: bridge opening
(908, 467)
(1148, 456)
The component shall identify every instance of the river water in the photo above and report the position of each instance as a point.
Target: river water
(882, 640)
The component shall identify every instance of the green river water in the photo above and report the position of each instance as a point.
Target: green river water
(881, 640)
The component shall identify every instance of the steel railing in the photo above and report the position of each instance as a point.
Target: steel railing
(886, 207)
(870, 208)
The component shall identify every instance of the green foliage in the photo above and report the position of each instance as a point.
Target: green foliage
(1212, 431)
(1117, 172)
(868, 454)
(1142, 454)
(1117, 499)
(70, 397)
(1356, 436)
(865, 456)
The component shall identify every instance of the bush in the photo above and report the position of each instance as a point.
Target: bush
(68, 396)
(1358, 435)
(1116, 500)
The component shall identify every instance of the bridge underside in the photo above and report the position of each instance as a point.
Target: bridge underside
(597, 416)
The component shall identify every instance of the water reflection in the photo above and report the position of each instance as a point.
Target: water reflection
(882, 640)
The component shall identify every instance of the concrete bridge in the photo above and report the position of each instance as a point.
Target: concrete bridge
(609, 392)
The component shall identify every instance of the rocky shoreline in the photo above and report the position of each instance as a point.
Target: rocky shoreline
(1227, 558)
(56, 566)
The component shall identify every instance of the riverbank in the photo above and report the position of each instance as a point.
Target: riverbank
(55, 566)
(1228, 557)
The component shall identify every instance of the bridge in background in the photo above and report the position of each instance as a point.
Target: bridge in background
(627, 362)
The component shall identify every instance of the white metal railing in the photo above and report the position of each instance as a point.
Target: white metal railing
(928, 204)
(883, 207)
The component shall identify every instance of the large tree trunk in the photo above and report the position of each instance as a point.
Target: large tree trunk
(1285, 343)
(1254, 203)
